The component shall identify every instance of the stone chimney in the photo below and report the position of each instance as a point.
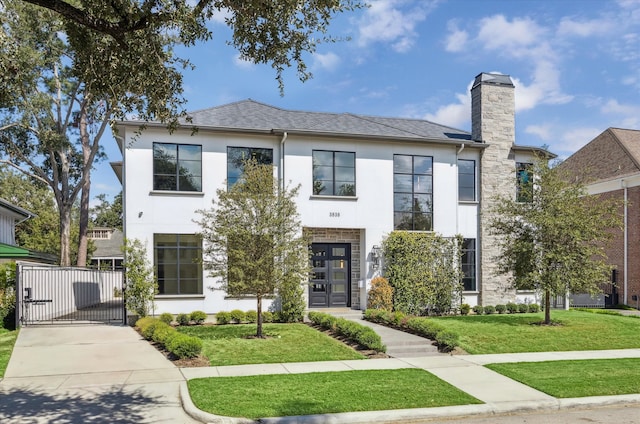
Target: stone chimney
(493, 123)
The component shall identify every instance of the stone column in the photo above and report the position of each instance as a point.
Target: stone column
(493, 122)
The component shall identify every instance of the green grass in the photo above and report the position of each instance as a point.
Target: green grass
(520, 333)
(569, 379)
(323, 393)
(229, 345)
(7, 340)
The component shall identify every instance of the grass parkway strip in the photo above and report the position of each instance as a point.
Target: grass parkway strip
(7, 340)
(570, 379)
(323, 393)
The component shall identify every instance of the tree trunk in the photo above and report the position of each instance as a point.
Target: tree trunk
(547, 307)
(65, 235)
(259, 327)
(83, 242)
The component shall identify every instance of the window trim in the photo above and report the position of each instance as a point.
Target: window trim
(177, 248)
(475, 182)
(177, 173)
(333, 176)
(413, 192)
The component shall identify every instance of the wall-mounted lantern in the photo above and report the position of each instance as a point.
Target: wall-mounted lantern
(376, 253)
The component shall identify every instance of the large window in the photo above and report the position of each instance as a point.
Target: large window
(469, 264)
(413, 192)
(177, 167)
(466, 180)
(177, 260)
(334, 173)
(524, 182)
(236, 156)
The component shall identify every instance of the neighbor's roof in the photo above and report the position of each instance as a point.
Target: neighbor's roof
(630, 141)
(15, 209)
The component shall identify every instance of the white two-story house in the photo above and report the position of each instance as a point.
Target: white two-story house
(361, 177)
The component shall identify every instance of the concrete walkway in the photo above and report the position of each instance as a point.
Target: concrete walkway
(95, 373)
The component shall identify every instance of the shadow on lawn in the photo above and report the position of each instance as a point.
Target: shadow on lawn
(20, 405)
(513, 320)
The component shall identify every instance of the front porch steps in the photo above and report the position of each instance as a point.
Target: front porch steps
(399, 343)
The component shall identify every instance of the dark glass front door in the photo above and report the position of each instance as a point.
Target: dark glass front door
(330, 281)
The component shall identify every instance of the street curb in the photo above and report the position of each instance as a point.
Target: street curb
(487, 409)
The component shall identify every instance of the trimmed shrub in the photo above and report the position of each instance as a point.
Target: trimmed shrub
(512, 307)
(163, 332)
(424, 327)
(143, 323)
(523, 307)
(478, 309)
(267, 316)
(374, 315)
(252, 316)
(198, 317)
(147, 333)
(166, 317)
(352, 330)
(237, 316)
(380, 296)
(465, 308)
(534, 307)
(501, 309)
(447, 340)
(223, 317)
(184, 346)
(398, 318)
(489, 310)
(182, 319)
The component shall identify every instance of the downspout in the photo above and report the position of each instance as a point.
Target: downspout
(281, 171)
(626, 241)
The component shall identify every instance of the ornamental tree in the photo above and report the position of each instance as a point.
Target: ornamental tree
(554, 242)
(253, 239)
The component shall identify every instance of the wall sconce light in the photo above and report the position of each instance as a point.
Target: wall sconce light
(376, 253)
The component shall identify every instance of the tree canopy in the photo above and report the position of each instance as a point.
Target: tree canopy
(554, 241)
(107, 214)
(253, 239)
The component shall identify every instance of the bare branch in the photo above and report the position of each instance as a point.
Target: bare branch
(24, 171)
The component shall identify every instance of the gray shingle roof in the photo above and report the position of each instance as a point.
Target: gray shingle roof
(256, 116)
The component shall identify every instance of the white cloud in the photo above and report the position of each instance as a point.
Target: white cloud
(575, 138)
(497, 33)
(457, 39)
(454, 114)
(386, 22)
(242, 63)
(584, 28)
(628, 115)
(542, 131)
(329, 61)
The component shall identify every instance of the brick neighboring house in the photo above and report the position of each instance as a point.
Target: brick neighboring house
(609, 166)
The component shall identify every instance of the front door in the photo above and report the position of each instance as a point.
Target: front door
(331, 278)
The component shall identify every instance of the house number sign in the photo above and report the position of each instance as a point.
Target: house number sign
(334, 214)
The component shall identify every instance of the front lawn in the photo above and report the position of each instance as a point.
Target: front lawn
(7, 340)
(577, 330)
(323, 393)
(569, 379)
(231, 345)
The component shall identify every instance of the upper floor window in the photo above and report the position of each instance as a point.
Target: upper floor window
(524, 179)
(177, 262)
(236, 156)
(334, 173)
(466, 180)
(469, 264)
(413, 192)
(177, 167)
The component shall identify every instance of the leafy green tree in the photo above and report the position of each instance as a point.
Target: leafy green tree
(107, 214)
(555, 241)
(424, 270)
(120, 41)
(141, 283)
(7, 293)
(254, 243)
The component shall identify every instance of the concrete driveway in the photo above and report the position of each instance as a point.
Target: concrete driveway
(89, 373)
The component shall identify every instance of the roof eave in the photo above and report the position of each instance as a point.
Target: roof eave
(537, 150)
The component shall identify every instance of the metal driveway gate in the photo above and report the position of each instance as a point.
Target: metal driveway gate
(54, 295)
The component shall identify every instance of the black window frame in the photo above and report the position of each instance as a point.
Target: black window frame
(469, 265)
(183, 242)
(336, 188)
(252, 152)
(461, 182)
(524, 182)
(415, 196)
(184, 181)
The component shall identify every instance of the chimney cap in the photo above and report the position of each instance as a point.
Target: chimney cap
(493, 79)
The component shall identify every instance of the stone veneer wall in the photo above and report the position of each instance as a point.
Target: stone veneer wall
(340, 235)
(493, 122)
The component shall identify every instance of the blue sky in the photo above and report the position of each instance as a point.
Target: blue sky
(575, 64)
